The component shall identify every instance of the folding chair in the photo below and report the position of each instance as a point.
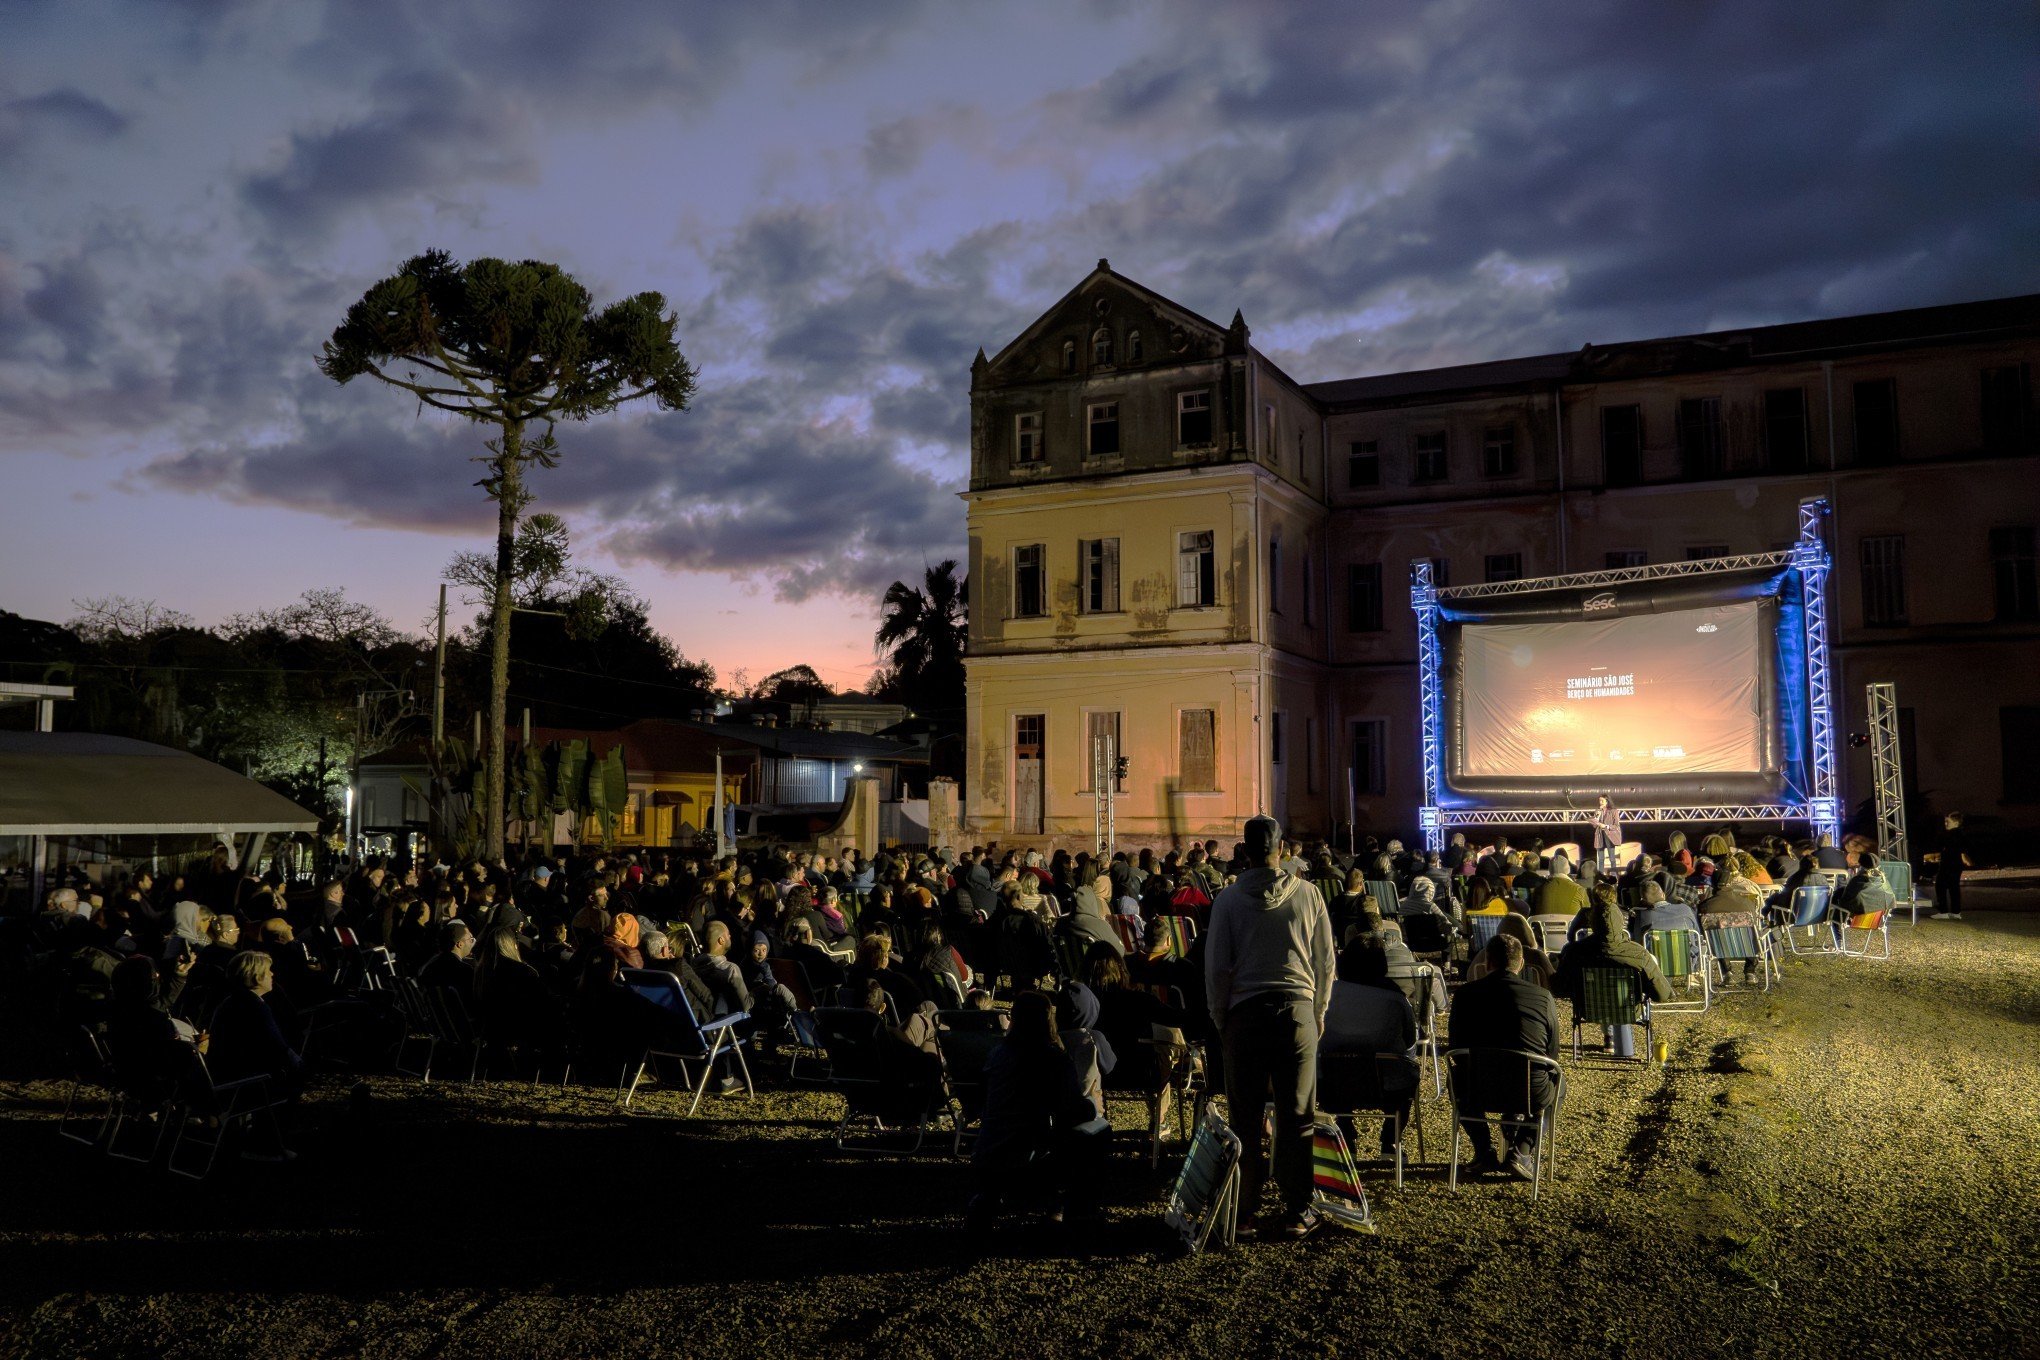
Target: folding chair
(1898, 876)
(1383, 892)
(421, 1026)
(1176, 933)
(92, 1069)
(1742, 942)
(1682, 957)
(1490, 1078)
(456, 1027)
(1424, 988)
(967, 1040)
(1551, 929)
(694, 1041)
(789, 974)
(1871, 924)
(1128, 939)
(1612, 995)
(872, 1096)
(215, 1108)
(1808, 911)
(1480, 930)
(1351, 1086)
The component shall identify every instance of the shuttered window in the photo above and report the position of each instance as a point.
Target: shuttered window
(1099, 559)
(1198, 757)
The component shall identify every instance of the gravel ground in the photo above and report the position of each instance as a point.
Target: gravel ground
(1845, 1166)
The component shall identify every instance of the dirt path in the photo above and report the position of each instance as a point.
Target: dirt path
(1848, 1166)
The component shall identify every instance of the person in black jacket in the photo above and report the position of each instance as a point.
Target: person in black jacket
(1037, 1124)
(1502, 1010)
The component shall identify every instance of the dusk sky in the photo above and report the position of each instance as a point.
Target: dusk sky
(844, 200)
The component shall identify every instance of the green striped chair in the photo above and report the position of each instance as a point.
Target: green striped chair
(1610, 996)
(1682, 957)
(1175, 933)
(1739, 938)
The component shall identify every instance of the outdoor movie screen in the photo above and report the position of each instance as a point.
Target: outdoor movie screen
(1637, 695)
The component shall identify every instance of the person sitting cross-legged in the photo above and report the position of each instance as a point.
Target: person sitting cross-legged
(1502, 1009)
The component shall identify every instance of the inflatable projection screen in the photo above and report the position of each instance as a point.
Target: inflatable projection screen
(1677, 691)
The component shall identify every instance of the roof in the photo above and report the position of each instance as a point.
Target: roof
(81, 783)
(805, 743)
(1832, 337)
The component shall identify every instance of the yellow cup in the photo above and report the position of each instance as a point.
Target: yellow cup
(1661, 1050)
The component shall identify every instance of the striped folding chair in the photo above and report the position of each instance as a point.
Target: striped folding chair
(1384, 895)
(1682, 957)
(1551, 931)
(1336, 1191)
(1868, 925)
(1612, 996)
(1739, 939)
(1175, 933)
(1480, 930)
(1898, 876)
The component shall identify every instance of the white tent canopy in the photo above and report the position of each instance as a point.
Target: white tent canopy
(83, 784)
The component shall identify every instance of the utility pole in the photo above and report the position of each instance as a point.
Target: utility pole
(439, 675)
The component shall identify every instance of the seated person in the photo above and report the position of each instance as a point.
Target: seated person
(244, 1039)
(1038, 1131)
(1655, 913)
(1076, 1012)
(909, 1062)
(1502, 1010)
(1370, 1015)
(1537, 967)
(1560, 894)
(824, 970)
(725, 981)
(451, 967)
(1484, 897)
(1605, 943)
(151, 1053)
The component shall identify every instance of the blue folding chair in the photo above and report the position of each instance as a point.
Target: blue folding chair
(692, 1041)
(1808, 911)
(1898, 876)
(1482, 929)
(1383, 892)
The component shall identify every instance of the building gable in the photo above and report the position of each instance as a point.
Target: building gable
(1062, 342)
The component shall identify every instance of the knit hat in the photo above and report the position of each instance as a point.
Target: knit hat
(760, 937)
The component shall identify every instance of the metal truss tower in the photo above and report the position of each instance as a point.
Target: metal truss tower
(1887, 770)
(1424, 599)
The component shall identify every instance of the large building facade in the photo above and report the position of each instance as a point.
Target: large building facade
(1174, 544)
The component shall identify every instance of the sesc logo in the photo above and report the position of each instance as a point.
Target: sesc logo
(1598, 603)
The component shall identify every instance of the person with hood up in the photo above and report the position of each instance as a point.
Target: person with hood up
(1608, 946)
(1268, 971)
(1086, 923)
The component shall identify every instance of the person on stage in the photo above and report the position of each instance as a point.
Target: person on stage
(1607, 835)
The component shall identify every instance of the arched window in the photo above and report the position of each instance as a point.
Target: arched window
(1133, 351)
(1101, 346)
(1069, 356)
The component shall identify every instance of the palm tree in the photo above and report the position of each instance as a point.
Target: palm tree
(921, 635)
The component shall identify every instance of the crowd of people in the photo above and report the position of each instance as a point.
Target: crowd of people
(1185, 969)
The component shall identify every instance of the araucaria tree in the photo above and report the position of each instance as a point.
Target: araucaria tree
(516, 347)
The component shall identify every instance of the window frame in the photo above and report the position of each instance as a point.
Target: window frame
(2014, 573)
(1886, 452)
(1881, 560)
(1091, 424)
(1493, 438)
(1098, 574)
(1776, 458)
(1703, 439)
(1357, 451)
(1373, 781)
(1039, 572)
(1183, 771)
(1118, 715)
(1021, 434)
(1183, 408)
(1357, 591)
(1275, 573)
(1418, 449)
(1207, 569)
(1634, 412)
(1504, 558)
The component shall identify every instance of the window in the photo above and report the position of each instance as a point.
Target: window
(1430, 464)
(1883, 557)
(1098, 565)
(2018, 741)
(1196, 569)
(1363, 463)
(1270, 450)
(1302, 460)
(2012, 573)
(1703, 443)
(1197, 750)
(1363, 597)
(2006, 403)
(1785, 429)
(1102, 429)
(1097, 727)
(1275, 737)
(1069, 356)
(1134, 353)
(1441, 572)
(1877, 422)
(1505, 566)
(1274, 576)
(1030, 586)
(1622, 445)
(1310, 755)
(1626, 557)
(1101, 348)
(1193, 418)
(1370, 756)
(1706, 550)
(1027, 445)
(1498, 451)
(1309, 585)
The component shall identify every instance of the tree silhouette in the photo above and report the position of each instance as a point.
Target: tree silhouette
(516, 347)
(921, 634)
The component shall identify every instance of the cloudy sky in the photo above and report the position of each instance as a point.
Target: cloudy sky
(842, 200)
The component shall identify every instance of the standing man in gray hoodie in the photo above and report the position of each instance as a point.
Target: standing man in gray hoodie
(1268, 966)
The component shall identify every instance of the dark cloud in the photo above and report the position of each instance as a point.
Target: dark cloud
(64, 114)
(431, 132)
